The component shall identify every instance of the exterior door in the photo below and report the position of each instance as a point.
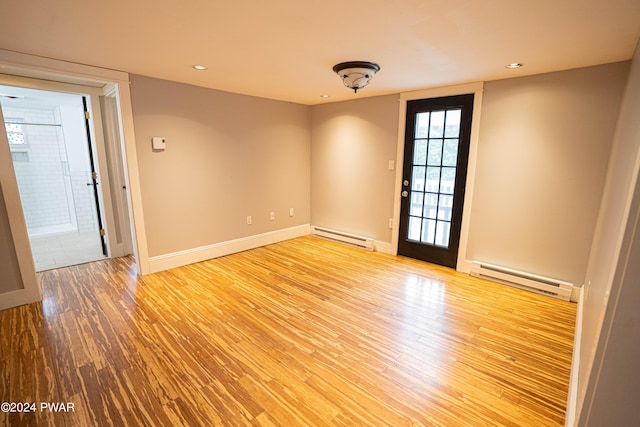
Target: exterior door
(436, 153)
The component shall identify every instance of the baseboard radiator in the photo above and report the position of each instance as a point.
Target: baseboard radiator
(342, 237)
(527, 281)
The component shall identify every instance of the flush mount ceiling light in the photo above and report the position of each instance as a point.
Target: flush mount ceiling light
(199, 67)
(513, 65)
(356, 74)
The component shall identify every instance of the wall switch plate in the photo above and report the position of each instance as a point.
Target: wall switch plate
(390, 222)
(392, 165)
(272, 216)
(290, 211)
(159, 143)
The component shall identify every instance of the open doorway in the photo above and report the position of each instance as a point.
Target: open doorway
(52, 159)
(100, 87)
(53, 153)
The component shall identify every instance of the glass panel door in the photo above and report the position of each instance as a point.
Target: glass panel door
(436, 152)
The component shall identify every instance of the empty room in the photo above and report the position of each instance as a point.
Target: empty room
(374, 213)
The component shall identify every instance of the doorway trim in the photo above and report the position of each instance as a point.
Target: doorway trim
(477, 89)
(59, 73)
(30, 291)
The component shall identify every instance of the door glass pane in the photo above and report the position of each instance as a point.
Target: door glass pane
(442, 233)
(447, 182)
(445, 203)
(420, 152)
(430, 206)
(450, 152)
(433, 179)
(422, 125)
(428, 231)
(435, 152)
(452, 129)
(416, 203)
(414, 228)
(436, 127)
(417, 181)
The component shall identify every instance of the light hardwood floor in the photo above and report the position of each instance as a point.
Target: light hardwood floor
(304, 332)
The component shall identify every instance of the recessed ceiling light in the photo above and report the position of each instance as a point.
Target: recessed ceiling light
(325, 96)
(199, 67)
(513, 65)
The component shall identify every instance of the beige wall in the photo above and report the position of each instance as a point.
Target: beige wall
(542, 158)
(351, 184)
(544, 141)
(608, 376)
(228, 156)
(10, 278)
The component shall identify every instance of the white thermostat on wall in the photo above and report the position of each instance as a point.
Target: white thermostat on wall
(159, 143)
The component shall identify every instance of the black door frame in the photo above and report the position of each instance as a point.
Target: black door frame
(94, 178)
(443, 256)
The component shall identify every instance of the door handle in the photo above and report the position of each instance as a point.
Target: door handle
(405, 193)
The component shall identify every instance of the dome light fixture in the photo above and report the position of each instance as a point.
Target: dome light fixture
(513, 65)
(356, 74)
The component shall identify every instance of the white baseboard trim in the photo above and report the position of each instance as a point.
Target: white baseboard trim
(203, 253)
(18, 297)
(572, 401)
(384, 247)
(464, 266)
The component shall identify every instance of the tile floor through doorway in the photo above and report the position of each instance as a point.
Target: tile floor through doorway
(63, 250)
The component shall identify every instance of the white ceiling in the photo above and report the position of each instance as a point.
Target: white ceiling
(285, 49)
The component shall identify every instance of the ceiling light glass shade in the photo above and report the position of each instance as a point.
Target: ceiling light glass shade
(356, 74)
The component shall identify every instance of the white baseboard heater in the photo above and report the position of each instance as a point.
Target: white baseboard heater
(342, 237)
(527, 281)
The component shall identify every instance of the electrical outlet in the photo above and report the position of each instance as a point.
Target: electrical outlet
(249, 220)
(390, 222)
(290, 211)
(272, 216)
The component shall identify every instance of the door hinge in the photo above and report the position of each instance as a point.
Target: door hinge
(102, 233)
(86, 115)
(94, 175)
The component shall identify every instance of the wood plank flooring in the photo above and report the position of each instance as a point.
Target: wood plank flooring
(301, 333)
